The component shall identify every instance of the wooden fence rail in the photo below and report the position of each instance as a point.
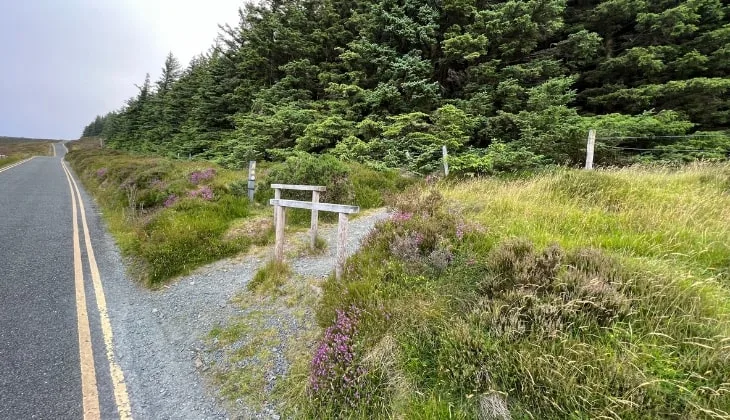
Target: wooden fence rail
(315, 206)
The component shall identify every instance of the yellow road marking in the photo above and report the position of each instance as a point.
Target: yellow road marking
(120, 387)
(15, 164)
(88, 373)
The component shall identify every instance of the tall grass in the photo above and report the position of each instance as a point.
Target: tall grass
(569, 295)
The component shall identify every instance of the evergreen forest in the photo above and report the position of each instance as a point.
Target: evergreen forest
(505, 85)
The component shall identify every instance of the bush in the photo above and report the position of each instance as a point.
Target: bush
(307, 169)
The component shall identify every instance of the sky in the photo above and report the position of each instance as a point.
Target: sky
(62, 62)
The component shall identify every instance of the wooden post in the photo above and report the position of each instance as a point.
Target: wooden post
(315, 221)
(101, 142)
(341, 246)
(279, 220)
(446, 164)
(590, 148)
(251, 179)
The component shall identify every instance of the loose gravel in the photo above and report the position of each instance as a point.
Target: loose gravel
(161, 335)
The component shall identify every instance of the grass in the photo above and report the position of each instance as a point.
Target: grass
(571, 294)
(270, 278)
(16, 149)
(169, 217)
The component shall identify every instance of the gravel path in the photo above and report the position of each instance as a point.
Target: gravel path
(160, 336)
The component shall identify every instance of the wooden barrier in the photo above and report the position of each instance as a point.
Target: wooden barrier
(316, 190)
(280, 207)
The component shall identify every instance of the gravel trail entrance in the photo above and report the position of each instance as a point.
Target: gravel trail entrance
(162, 336)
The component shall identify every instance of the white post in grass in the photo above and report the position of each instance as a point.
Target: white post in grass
(101, 142)
(590, 147)
(446, 163)
(251, 179)
(315, 221)
(341, 245)
(279, 220)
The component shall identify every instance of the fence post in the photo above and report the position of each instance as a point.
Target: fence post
(590, 148)
(446, 164)
(315, 221)
(279, 220)
(101, 142)
(341, 244)
(251, 179)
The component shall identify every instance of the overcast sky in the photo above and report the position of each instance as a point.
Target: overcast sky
(62, 62)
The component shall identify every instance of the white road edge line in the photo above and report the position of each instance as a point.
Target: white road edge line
(120, 387)
(15, 164)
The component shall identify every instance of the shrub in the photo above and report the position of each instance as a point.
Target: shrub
(306, 169)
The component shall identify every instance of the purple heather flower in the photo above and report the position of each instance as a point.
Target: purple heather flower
(101, 172)
(197, 176)
(204, 192)
(171, 200)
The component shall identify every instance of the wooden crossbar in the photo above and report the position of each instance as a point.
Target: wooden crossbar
(299, 187)
(334, 208)
(315, 206)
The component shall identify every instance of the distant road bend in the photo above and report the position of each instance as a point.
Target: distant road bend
(57, 358)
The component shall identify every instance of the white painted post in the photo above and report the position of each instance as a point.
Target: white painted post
(590, 148)
(315, 221)
(341, 245)
(446, 164)
(101, 142)
(279, 220)
(251, 179)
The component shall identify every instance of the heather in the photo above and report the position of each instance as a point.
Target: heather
(168, 217)
(570, 294)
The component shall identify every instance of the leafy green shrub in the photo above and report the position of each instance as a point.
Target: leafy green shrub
(306, 169)
(496, 159)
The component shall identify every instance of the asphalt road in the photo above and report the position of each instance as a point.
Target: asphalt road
(40, 356)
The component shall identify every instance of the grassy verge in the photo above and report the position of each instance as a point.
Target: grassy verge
(17, 150)
(169, 216)
(569, 295)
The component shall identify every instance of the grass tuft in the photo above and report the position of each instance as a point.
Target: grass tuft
(270, 278)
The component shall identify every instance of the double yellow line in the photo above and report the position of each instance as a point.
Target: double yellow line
(88, 372)
(15, 164)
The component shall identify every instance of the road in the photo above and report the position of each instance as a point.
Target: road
(79, 339)
(54, 358)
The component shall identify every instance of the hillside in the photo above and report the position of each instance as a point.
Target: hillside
(15, 149)
(506, 85)
(568, 295)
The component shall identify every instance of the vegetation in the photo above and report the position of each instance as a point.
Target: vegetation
(168, 216)
(171, 216)
(15, 149)
(506, 85)
(568, 295)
